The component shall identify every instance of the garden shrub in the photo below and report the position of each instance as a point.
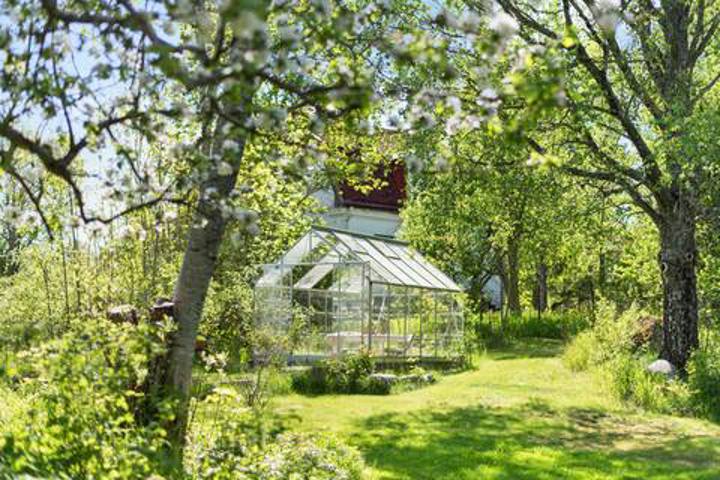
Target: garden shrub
(580, 353)
(288, 456)
(631, 382)
(78, 421)
(228, 320)
(355, 374)
(611, 344)
(704, 379)
(228, 440)
(488, 329)
(374, 385)
(348, 374)
(615, 332)
(610, 337)
(303, 456)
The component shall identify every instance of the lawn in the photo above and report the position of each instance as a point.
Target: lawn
(519, 415)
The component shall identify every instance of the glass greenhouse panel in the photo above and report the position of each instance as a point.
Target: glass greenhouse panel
(349, 291)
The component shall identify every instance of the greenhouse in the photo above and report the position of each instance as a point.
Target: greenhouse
(337, 292)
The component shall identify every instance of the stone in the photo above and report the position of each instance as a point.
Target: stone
(387, 378)
(662, 367)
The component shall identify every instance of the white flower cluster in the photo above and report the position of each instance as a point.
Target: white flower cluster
(12, 215)
(214, 362)
(607, 15)
(247, 25)
(504, 25)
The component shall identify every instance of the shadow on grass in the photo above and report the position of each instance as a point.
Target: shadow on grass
(533, 441)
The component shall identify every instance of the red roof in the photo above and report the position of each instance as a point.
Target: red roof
(389, 196)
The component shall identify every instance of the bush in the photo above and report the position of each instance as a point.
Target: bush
(488, 329)
(348, 374)
(354, 374)
(611, 337)
(374, 385)
(302, 456)
(229, 441)
(611, 344)
(704, 379)
(581, 352)
(317, 457)
(79, 419)
(631, 382)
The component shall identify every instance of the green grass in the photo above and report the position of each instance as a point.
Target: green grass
(519, 415)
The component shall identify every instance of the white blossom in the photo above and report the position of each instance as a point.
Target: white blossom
(454, 103)
(170, 215)
(453, 124)
(12, 214)
(230, 146)
(247, 25)
(607, 5)
(489, 94)
(469, 21)
(607, 14)
(472, 122)
(608, 21)
(504, 25)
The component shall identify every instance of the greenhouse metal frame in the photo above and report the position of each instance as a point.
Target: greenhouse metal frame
(340, 292)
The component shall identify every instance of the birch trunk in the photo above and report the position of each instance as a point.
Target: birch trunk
(199, 261)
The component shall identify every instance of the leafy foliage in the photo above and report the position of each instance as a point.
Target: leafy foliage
(609, 347)
(610, 337)
(83, 390)
(287, 456)
(349, 374)
(704, 378)
(490, 328)
(631, 382)
(235, 435)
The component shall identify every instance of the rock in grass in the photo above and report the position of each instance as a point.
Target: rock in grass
(387, 378)
(662, 367)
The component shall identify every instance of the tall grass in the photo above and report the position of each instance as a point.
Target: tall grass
(490, 327)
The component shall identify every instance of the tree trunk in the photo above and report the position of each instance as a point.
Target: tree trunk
(678, 260)
(199, 261)
(540, 294)
(513, 276)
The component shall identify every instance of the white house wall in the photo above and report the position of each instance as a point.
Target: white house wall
(361, 220)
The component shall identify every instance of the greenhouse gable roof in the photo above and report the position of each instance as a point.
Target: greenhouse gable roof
(391, 261)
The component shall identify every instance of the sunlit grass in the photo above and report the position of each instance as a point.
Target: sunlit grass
(519, 415)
